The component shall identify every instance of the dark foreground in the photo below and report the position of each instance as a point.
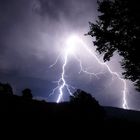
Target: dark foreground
(21, 116)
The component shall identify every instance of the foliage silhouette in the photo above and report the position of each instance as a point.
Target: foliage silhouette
(87, 103)
(81, 97)
(26, 94)
(118, 29)
(6, 89)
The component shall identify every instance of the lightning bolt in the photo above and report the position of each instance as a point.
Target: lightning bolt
(62, 84)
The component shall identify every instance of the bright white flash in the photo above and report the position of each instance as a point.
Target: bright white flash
(71, 42)
(70, 49)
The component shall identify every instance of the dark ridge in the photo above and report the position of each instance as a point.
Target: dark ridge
(81, 119)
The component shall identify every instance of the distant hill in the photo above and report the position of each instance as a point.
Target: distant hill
(118, 113)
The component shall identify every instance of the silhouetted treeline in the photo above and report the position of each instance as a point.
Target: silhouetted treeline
(82, 113)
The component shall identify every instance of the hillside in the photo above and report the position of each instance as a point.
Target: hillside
(32, 114)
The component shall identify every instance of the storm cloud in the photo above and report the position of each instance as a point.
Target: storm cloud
(32, 34)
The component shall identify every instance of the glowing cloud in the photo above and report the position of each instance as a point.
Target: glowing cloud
(71, 42)
(71, 47)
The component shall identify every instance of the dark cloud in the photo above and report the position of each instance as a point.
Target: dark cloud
(54, 8)
(67, 8)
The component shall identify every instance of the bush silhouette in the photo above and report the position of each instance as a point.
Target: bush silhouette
(26, 94)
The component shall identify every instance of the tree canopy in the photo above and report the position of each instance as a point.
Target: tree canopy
(117, 29)
(26, 94)
(87, 103)
(81, 97)
(6, 89)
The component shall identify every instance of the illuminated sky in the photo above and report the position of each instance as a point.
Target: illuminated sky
(33, 34)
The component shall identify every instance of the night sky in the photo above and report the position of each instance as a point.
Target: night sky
(33, 35)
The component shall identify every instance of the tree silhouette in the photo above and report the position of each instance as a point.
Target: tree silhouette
(87, 103)
(6, 89)
(118, 29)
(81, 97)
(26, 94)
